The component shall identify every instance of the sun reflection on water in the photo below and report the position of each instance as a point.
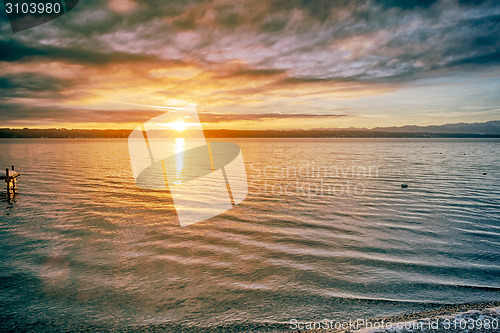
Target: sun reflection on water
(179, 159)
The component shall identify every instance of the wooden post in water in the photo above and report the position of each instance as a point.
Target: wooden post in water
(14, 180)
(7, 181)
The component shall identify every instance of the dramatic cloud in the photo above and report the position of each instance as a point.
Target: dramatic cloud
(215, 118)
(252, 56)
(49, 117)
(21, 113)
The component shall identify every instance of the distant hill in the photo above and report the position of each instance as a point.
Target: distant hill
(490, 127)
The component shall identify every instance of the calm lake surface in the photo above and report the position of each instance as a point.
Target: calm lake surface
(326, 231)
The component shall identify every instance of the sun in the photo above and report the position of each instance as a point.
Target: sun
(178, 125)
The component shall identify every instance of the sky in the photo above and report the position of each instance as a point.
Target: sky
(255, 64)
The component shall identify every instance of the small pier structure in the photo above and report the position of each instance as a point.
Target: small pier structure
(10, 177)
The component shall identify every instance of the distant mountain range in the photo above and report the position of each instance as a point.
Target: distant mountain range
(490, 129)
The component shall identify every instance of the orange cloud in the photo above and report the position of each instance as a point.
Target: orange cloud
(122, 6)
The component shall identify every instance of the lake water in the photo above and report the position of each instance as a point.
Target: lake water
(326, 231)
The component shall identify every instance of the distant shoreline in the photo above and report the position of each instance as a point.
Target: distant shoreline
(6, 133)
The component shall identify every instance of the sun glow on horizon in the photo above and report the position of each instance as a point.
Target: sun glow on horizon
(178, 125)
